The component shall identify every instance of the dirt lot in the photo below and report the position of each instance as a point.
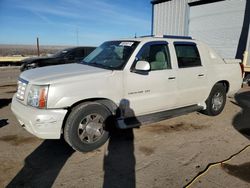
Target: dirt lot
(170, 153)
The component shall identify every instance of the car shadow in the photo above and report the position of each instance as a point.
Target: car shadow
(3, 122)
(43, 165)
(119, 159)
(5, 102)
(241, 171)
(241, 123)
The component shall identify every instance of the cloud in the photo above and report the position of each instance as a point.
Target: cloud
(48, 10)
(95, 12)
(42, 17)
(97, 20)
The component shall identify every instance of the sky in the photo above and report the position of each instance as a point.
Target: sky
(72, 22)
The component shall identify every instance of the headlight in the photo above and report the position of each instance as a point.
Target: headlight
(37, 96)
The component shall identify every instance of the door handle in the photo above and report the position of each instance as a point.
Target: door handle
(171, 78)
(201, 75)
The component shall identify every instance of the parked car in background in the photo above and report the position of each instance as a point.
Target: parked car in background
(69, 55)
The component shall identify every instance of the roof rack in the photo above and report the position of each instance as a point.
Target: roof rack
(176, 37)
(168, 36)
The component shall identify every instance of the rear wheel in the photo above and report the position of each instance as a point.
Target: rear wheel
(86, 127)
(216, 100)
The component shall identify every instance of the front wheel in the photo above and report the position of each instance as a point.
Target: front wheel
(216, 100)
(86, 127)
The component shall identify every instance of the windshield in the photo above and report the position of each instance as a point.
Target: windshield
(111, 55)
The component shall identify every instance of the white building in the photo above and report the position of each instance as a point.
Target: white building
(223, 24)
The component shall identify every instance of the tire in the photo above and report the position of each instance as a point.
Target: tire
(216, 100)
(86, 126)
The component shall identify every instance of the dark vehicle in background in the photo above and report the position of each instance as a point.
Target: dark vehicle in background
(69, 55)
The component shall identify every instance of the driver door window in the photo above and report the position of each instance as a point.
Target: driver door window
(157, 55)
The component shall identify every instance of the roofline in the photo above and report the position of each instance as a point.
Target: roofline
(154, 2)
(201, 2)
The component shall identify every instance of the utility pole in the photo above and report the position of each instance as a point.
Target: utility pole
(37, 45)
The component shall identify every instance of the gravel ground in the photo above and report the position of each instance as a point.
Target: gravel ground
(169, 153)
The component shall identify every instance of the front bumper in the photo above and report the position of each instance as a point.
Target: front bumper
(43, 123)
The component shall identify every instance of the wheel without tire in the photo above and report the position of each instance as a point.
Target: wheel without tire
(85, 128)
(216, 100)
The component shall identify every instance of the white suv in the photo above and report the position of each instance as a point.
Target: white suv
(130, 82)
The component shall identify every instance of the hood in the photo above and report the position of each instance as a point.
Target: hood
(62, 73)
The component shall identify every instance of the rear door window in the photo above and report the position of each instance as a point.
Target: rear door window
(187, 54)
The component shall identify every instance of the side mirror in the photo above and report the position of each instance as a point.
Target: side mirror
(142, 66)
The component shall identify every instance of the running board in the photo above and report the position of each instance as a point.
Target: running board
(133, 122)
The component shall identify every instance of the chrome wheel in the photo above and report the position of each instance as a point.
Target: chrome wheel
(217, 101)
(91, 128)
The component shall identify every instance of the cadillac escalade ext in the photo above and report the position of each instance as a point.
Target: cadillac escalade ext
(126, 82)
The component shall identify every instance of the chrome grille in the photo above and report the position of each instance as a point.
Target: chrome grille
(21, 87)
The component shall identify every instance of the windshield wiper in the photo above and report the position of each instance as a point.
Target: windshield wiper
(94, 64)
(101, 65)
